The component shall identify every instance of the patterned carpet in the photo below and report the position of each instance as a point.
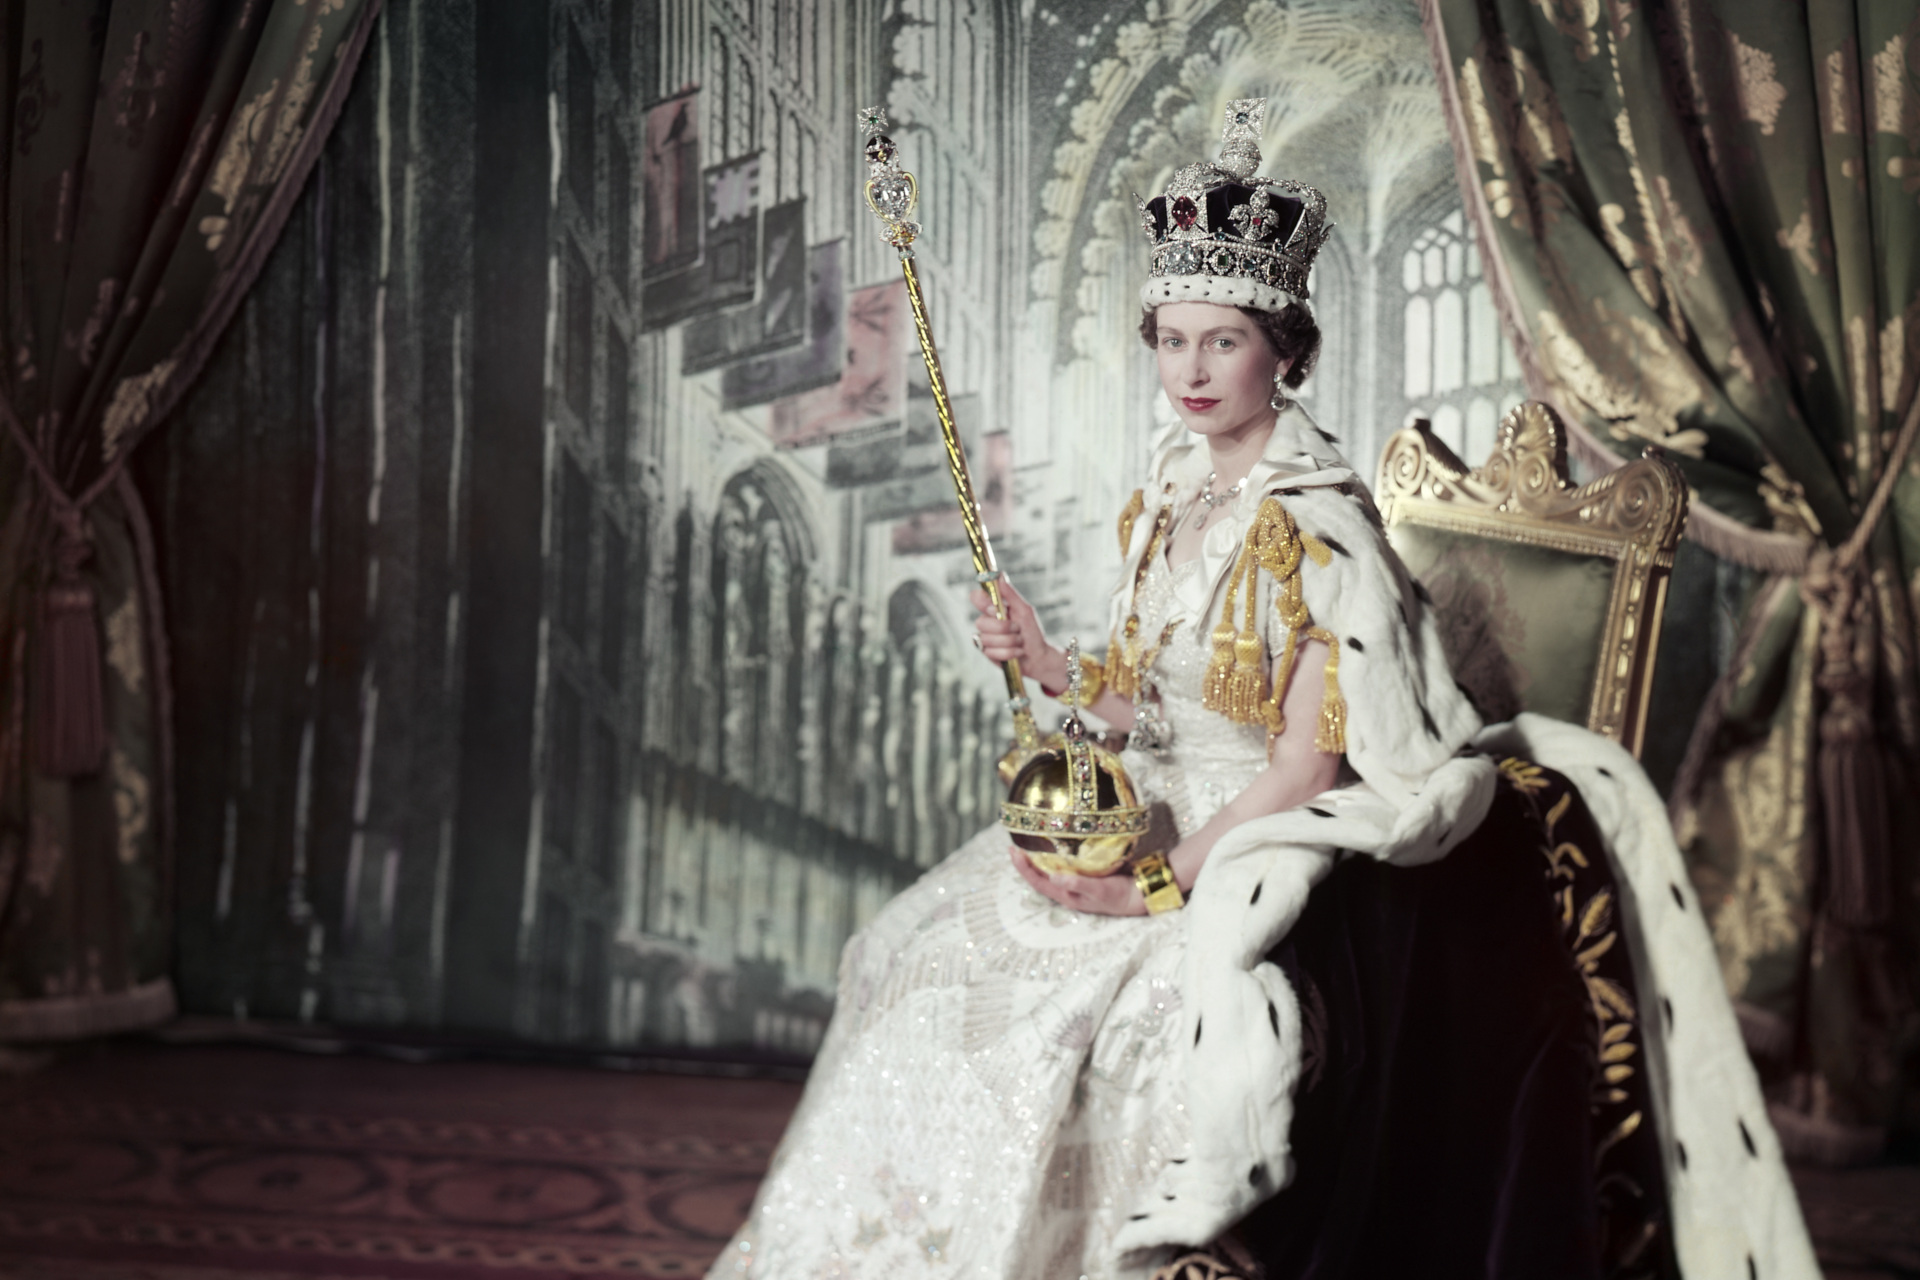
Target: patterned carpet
(148, 1176)
(148, 1162)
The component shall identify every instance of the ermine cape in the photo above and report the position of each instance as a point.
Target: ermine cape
(1426, 779)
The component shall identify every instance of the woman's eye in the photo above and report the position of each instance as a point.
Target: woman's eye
(1223, 344)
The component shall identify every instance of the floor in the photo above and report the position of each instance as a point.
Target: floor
(140, 1161)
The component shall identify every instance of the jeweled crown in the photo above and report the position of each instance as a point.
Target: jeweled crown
(1220, 234)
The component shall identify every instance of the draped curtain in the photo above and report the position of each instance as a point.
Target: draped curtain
(152, 149)
(1703, 221)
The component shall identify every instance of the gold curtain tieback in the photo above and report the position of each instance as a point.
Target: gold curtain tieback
(1157, 885)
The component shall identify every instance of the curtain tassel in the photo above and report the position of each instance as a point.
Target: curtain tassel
(70, 720)
(1853, 778)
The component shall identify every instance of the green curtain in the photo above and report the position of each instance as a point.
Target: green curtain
(151, 152)
(1703, 221)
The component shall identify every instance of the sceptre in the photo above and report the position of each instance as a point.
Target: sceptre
(1070, 803)
(892, 194)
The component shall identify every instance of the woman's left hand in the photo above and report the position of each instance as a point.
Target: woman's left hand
(1114, 895)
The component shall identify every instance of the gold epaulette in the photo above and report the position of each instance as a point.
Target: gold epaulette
(1237, 684)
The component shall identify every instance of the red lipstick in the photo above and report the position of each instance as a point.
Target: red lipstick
(1199, 404)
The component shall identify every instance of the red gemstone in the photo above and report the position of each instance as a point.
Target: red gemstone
(1185, 212)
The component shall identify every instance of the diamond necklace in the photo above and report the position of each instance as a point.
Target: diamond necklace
(1213, 499)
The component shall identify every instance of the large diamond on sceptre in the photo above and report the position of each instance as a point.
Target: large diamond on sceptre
(892, 192)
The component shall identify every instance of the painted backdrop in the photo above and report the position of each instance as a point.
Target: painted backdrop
(569, 613)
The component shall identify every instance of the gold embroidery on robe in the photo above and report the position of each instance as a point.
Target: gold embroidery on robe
(1124, 660)
(1135, 505)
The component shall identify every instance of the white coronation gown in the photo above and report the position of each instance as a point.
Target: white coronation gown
(1000, 1084)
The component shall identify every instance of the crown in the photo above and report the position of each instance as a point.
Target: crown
(1219, 234)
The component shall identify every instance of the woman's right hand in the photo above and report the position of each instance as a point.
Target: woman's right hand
(1018, 637)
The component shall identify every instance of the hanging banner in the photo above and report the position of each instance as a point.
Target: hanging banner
(941, 530)
(728, 269)
(778, 319)
(872, 388)
(670, 170)
(818, 362)
(916, 482)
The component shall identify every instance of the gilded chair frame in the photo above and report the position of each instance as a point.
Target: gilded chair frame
(1522, 493)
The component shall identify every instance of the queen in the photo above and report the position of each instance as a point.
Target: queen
(1383, 992)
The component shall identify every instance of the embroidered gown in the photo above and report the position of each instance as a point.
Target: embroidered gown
(999, 1082)
(1011, 1090)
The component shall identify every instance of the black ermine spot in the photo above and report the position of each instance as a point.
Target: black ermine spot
(1256, 893)
(1337, 548)
(1680, 1149)
(1327, 435)
(1747, 1138)
(1420, 590)
(1196, 1033)
(1138, 1217)
(1318, 812)
(1257, 1175)
(1606, 773)
(1666, 1007)
(1678, 901)
(1426, 722)
(1273, 1016)
(1355, 645)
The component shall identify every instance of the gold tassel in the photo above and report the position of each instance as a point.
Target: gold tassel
(1218, 693)
(1213, 691)
(1332, 735)
(1236, 682)
(1246, 691)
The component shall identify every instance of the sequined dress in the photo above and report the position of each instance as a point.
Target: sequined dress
(1000, 1082)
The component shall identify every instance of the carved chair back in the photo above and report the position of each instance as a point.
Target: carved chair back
(1550, 595)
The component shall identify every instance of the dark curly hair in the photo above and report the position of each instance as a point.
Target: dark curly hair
(1289, 332)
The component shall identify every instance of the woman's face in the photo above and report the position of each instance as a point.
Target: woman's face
(1216, 366)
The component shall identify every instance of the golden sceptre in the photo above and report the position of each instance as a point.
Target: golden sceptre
(1070, 802)
(892, 194)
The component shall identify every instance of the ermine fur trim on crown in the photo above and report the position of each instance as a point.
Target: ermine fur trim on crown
(1228, 291)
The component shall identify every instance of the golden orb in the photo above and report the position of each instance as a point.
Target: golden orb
(1072, 806)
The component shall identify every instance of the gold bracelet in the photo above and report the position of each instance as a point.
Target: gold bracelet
(1157, 885)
